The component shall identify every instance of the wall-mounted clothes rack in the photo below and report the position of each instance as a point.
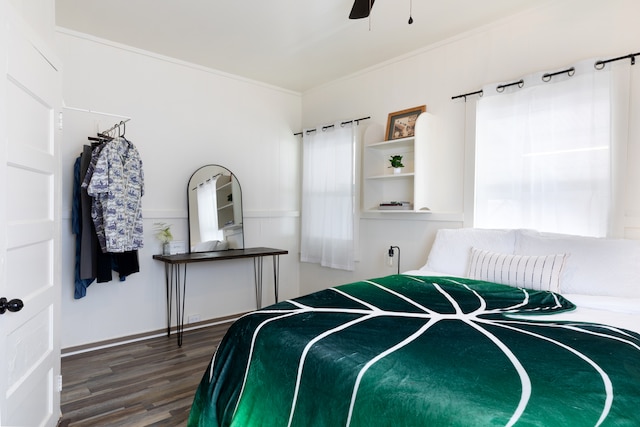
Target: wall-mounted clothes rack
(598, 65)
(106, 135)
(330, 126)
(90, 111)
(120, 126)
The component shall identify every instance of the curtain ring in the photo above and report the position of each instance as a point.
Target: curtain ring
(500, 88)
(546, 77)
(599, 65)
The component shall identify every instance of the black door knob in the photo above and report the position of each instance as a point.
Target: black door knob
(13, 305)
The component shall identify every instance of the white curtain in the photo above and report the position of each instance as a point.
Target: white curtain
(208, 211)
(328, 196)
(548, 153)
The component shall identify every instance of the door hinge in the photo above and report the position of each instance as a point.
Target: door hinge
(60, 120)
(59, 382)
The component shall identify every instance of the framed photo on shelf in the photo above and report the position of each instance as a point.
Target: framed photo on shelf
(402, 124)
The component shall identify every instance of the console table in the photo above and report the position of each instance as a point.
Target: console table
(176, 276)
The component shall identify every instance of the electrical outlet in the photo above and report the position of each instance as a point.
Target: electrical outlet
(193, 318)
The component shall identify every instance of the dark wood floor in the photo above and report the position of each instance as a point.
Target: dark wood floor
(147, 383)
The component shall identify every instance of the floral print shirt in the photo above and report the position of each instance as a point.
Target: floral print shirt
(117, 186)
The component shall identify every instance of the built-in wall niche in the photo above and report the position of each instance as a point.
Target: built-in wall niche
(382, 185)
(226, 187)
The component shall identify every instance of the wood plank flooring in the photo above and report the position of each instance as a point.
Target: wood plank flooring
(147, 383)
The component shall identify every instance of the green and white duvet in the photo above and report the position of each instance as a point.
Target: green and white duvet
(417, 351)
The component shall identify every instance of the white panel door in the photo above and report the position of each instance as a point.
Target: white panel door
(30, 90)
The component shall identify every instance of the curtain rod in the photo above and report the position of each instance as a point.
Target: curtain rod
(598, 65)
(330, 126)
(464, 95)
(206, 180)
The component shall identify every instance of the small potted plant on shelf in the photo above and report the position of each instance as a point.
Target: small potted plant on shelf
(396, 163)
(163, 234)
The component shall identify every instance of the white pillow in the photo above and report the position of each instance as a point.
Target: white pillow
(597, 266)
(450, 251)
(537, 272)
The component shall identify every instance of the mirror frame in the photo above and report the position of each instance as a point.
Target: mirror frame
(216, 169)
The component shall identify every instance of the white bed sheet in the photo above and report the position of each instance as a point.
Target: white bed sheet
(613, 311)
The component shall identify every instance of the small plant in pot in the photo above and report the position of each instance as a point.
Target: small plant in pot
(396, 163)
(163, 234)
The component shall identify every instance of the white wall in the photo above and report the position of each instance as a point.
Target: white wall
(40, 14)
(182, 117)
(547, 38)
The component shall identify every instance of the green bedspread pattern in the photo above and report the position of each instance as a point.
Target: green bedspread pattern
(415, 351)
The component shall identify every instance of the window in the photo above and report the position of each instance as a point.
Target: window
(328, 197)
(544, 154)
(208, 211)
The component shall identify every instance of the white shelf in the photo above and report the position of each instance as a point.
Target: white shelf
(393, 144)
(222, 186)
(224, 196)
(392, 176)
(398, 211)
(413, 216)
(380, 184)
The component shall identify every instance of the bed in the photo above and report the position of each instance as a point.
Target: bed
(500, 327)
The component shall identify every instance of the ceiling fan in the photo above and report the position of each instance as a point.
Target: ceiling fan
(361, 9)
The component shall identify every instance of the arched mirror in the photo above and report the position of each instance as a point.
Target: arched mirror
(214, 200)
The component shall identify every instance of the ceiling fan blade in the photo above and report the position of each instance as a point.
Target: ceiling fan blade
(361, 9)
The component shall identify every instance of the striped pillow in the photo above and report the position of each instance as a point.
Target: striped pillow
(538, 272)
